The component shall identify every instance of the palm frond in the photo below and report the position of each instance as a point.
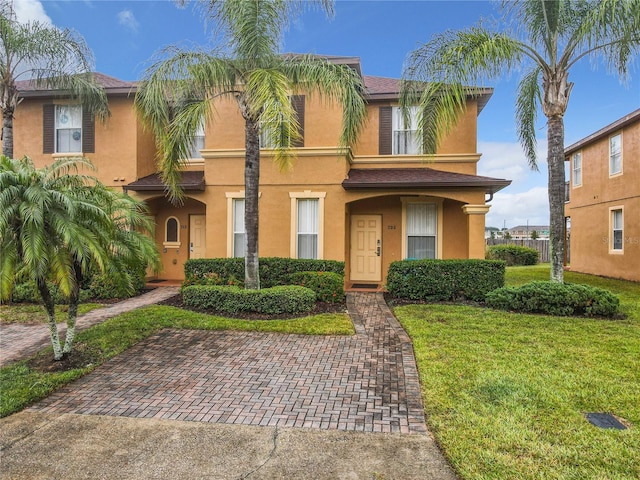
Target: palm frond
(528, 99)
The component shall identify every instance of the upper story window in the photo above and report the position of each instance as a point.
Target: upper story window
(68, 128)
(198, 143)
(615, 154)
(405, 131)
(267, 130)
(576, 169)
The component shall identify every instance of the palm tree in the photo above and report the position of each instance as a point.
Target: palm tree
(52, 59)
(178, 92)
(550, 37)
(57, 226)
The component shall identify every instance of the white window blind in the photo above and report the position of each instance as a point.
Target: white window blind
(238, 228)
(577, 169)
(308, 228)
(615, 154)
(617, 229)
(198, 143)
(421, 230)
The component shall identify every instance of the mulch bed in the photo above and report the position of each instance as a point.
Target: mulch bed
(321, 307)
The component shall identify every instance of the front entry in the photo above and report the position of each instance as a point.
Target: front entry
(197, 236)
(366, 248)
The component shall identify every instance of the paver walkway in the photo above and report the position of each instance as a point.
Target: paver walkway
(366, 382)
(19, 341)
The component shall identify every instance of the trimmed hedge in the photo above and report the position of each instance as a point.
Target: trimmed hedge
(233, 299)
(513, 254)
(561, 299)
(273, 270)
(27, 292)
(442, 280)
(328, 286)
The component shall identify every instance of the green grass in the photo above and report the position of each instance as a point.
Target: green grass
(21, 385)
(505, 394)
(35, 313)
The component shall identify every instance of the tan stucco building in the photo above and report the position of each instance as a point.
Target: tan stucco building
(604, 200)
(373, 203)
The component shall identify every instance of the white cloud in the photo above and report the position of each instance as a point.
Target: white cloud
(128, 19)
(30, 10)
(507, 160)
(530, 207)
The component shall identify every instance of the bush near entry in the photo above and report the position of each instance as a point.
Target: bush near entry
(273, 270)
(441, 280)
(328, 286)
(513, 254)
(561, 299)
(233, 299)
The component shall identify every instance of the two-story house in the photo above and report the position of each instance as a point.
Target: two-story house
(368, 205)
(604, 200)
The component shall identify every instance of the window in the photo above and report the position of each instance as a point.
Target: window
(267, 129)
(405, 137)
(172, 232)
(615, 154)
(307, 224)
(238, 228)
(576, 169)
(198, 143)
(68, 128)
(421, 229)
(307, 234)
(617, 231)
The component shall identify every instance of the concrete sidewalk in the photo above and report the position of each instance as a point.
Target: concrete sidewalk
(46, 446)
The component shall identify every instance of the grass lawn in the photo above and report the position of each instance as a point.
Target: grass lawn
(35, 313)
(505, 394)
(22, 384)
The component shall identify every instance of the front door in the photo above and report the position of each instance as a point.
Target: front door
(366, 248)
(197, 236)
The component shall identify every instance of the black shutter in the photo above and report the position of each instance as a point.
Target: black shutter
(385, 133)
(297, 101)
(48, 128)
(88, 132)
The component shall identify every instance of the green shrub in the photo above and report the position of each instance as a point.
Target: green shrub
(27, 292)
(562, 299)
(273, 270)
(104, 285)
(442, 280)
(513, 254)
(328, 286)
(232, 299)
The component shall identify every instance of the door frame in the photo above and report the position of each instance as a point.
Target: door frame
(352, 228)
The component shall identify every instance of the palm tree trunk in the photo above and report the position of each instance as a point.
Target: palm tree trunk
(555, 160)
(251, 186)
(7, 132)
(49, 306)
(74, 299)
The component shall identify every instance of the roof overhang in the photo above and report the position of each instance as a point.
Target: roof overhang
(189, 181)
(418, 178)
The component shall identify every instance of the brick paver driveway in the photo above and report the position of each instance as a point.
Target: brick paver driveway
(366, 382)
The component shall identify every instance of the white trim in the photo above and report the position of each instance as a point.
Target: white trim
(615, 174)
(172, 244)
(573, 169)
(293, 240)
(615, 251)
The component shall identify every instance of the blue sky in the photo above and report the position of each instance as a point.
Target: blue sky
(124, 35)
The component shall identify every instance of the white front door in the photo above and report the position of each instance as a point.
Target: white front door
(366, 248)
(197, 236)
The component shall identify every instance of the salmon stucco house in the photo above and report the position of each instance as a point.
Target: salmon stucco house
(604, 200)
(368, 205)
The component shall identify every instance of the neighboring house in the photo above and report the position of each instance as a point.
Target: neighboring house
(368, 205)
(604, 203)
(523, 232)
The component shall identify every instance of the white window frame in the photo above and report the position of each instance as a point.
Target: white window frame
(401, 129)
(197, 144)
(231, 197)
(56, 128)
(439, 221)
(293, 243)
(615, 154)
(170, 243)
(615, 227)
(576, 170)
